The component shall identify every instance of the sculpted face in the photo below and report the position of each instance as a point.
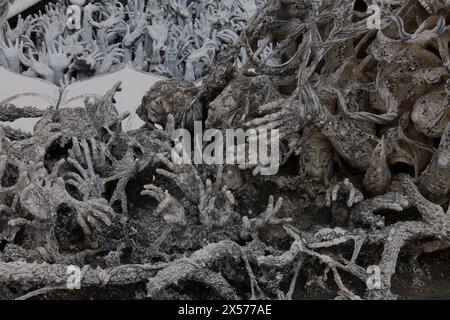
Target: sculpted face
(433, 6)
(223, 110)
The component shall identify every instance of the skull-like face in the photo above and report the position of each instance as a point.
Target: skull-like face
(240, 100)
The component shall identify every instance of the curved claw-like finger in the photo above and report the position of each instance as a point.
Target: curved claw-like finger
(87, 156)
(73, 183)
(78, 166)
(169, 164)
(94, 223)
(82, 223)
(154, 192)
(95, 153)
(102, 204)
(165, 204)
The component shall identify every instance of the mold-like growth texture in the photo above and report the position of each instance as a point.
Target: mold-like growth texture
(431, 114)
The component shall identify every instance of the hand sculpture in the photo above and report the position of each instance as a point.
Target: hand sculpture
(41, 66)
(114, 55)
(159, 32)
(60, 60)
(23, 28)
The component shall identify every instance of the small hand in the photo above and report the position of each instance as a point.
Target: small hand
(42, 197)
(249, 7)
(11, 53)
(90, 211)
(40, 67)
(352, 195)
(115, 55)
